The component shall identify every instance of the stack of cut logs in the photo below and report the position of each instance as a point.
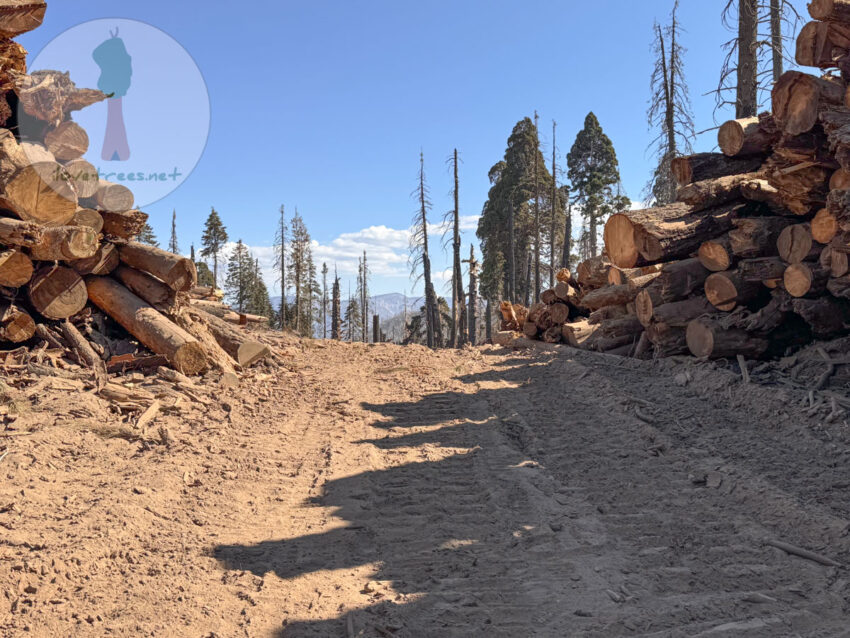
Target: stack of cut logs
(66, 236)
(753, 257)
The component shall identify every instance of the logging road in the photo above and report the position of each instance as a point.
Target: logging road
(384, 491)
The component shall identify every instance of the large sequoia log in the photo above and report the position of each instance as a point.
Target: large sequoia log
(748, 136)
(707, 338)
(703, 166)
(714, 192)
(57, 292)
(41, 193)
(176, 271)
(817, 42)
(151, 328)
(798, 97)
(664, 233)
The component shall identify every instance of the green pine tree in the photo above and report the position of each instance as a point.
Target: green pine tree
(173, 245)
(594, 174)
(147, 236)
(213, 240)
(240, 278)
(205, 276)
(507, 227)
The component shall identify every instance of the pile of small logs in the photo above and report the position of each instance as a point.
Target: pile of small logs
(70, 272)
(752, 258)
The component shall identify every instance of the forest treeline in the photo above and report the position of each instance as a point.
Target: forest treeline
(544, 209)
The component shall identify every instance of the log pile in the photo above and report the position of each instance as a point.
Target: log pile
(752, 258)
(71, 274)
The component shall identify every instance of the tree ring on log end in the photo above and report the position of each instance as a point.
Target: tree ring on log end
(721, 292)
(620, 244)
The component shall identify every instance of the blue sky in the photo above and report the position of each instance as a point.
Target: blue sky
(325, 105)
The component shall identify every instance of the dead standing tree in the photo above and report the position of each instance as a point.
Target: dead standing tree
(457, 337)
(765, 34)
(419, 256)
(669, 112)
(473, 296)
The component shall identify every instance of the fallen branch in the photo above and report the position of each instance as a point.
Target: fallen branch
(803, 553)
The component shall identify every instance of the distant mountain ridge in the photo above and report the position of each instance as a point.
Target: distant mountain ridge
(385, 306)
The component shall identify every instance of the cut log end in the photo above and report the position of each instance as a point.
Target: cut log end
(824, 226)
(731, 136)
(714, 255)
(644, 307)
(189, 358)
(16, 268)
(620, 241)
(16, 325)
(797, 280)
(57, 292)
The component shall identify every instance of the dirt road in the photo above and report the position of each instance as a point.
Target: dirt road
(381, 491)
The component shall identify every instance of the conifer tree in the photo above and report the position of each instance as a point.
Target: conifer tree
(173, 245)
(335, 309)
(301, 274)
(205, 276)
(213, 240)
(419, 256)
(147, 236)
(280, 265)
(669, 112)
(594, 174)
(240, 278)
(457, 336)
(258, 301)
(324, 300)
(353, 318)
(507, 224)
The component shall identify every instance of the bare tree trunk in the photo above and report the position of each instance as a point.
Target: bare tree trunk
(473, 296)
(511, 255)
(488, 325)
(747, 93)
(536, 213)
(776, 37)
(554, 212)
(568, 234)
(335, 308)
(458, 336)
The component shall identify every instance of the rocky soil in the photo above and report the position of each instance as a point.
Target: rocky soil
(382, 491)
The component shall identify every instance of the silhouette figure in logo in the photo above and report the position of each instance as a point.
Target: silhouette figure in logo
(116, 70)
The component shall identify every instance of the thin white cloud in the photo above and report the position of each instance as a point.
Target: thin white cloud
(387, 252)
